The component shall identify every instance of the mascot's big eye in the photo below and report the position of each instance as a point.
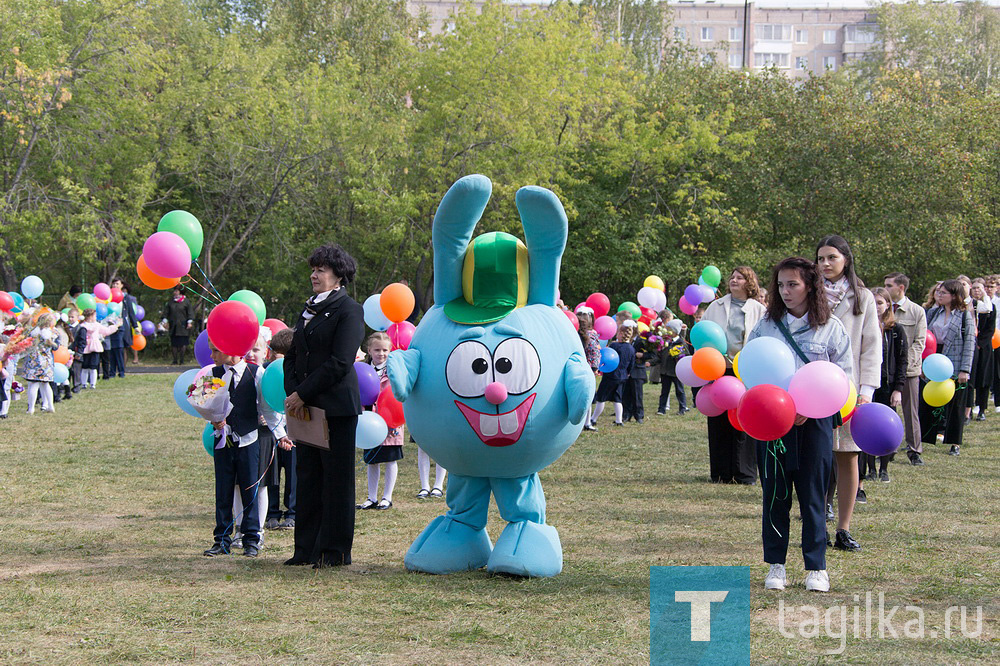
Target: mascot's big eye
(517, 366)
(468, 369)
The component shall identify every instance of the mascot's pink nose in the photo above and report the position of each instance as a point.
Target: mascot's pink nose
(496, 393)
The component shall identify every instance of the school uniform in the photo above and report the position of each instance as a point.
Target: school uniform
(78, 346)
(912, 321)
(956, 338)
(237, 452)
(612, 387)
(981, 378)
(669, 355)
(802, 458)
(632, 403)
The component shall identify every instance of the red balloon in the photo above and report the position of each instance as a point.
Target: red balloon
(233, 327)
(116, 295)
(6, 301)
(766, 412)
(390, 409)
(930, 347)
(573, 319)
(599, 303)
(400, 335)
(647, 312)
(734, 420)
(275, 325)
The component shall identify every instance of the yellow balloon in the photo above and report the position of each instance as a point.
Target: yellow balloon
(939, 394)
(852, 401)
(655, 282)
(736, 366)
(643, 328)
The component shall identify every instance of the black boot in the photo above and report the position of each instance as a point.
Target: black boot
(55, 392)
(67, 393)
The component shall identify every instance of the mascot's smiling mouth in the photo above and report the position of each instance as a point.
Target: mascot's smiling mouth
(498, 429)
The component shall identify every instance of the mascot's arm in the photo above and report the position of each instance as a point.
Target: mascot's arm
(403, 367)
(578, 383)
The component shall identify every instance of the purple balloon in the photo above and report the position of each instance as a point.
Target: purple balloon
(876, 429)
(148, 328)
(202, 352)
(693, 294)
(140, 312)
(707, 293)
(368, 383)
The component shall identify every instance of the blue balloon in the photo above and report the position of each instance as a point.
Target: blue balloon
(937, 367)
(208, 439)
(18, 302)
(115, 309)
(102, 311)
(181, 384)
(60, 373)
(709, 334)
(767, 360)
(272, 385)
(609, 360)
(202, 352)
(374, 318)
(371, 431)
(32, 286)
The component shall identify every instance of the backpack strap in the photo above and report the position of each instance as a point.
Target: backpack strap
(791, 341)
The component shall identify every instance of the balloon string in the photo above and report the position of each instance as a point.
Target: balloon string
(195, 293)
(773, 448)
(207, 279)
(210, 299)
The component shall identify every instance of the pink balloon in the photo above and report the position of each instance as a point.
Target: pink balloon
(705, 402)
(167, 255)
(204, 371)
(573, 319)
(400, 334)
(686, 307)
(819, 389)
(599, 303)
(102, 291)
(232, 326)
(686, 374)
(606, 327)
(727, 391)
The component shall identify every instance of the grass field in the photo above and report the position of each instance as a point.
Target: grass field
(109, 505)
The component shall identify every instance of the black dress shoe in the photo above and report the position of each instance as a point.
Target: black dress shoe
(981, 417)
(327, 560)
(251, 551)
(296, 562)
(915, 460)
(845, 541)
(216, 549)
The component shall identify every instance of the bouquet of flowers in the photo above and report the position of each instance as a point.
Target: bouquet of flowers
(18, 343)
(210, 397)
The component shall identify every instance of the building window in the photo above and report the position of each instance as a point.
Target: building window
(735, 60)
(707, 34)
(779, 60)
(830, 62)
(735, 35)
(801, 62)
(859, 34)
(774, 32)
(680, 33)
(829, 36)
(801, 36)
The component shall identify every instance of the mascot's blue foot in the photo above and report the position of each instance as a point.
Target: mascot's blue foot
(527, 549)
(448, 546)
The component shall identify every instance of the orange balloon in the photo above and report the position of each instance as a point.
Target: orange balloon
(62, 355)
(708, 363)
(996, 339)
(151, 279)
(138, 342)
(396, 302)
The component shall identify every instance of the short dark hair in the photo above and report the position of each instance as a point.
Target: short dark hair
(125, 286)
(957, 291)
(819, 307)
(336, 259)
(899, 280)
(75, 290)
(281, 341)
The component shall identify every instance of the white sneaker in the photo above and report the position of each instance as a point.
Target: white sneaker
(775, 579)
(818, 581)
(975, 410)
(997, 410)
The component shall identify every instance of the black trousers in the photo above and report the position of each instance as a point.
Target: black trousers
(236, 465)
(632, 400)
(324, 524)
(105, 364)
(666, 381)
(996, 377)
(117, 355)
(949, 419)
(805, 464)
(284, 461)
(731, 454)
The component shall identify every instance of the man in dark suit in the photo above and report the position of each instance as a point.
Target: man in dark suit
(319, 372)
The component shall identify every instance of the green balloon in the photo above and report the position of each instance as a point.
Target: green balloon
(84, 301)
(712, 276)
(632, 308)
(185, 225)
(272, 385)
(255, 302)
(208, 439)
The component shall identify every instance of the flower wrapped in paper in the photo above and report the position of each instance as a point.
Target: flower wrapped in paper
(210, 398)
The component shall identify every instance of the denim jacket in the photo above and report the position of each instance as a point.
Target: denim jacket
(828, 342)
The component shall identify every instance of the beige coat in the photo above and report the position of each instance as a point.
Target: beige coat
(912, 319)
(718, 311)
(866, 338)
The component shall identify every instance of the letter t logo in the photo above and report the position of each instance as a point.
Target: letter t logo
(701, 610)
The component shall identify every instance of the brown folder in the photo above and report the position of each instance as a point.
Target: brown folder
(313, 431)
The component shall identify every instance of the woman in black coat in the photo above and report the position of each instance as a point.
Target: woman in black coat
(982, 361)
(319, 372)
(890, 392)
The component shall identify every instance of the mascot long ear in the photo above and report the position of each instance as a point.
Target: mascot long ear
(545, 231)
(456, 217)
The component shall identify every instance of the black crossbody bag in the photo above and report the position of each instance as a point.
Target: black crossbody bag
(838, 420)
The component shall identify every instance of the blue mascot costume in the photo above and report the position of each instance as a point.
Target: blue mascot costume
(494, 384)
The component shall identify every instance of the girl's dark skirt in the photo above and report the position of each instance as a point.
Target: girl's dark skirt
(383, 454)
